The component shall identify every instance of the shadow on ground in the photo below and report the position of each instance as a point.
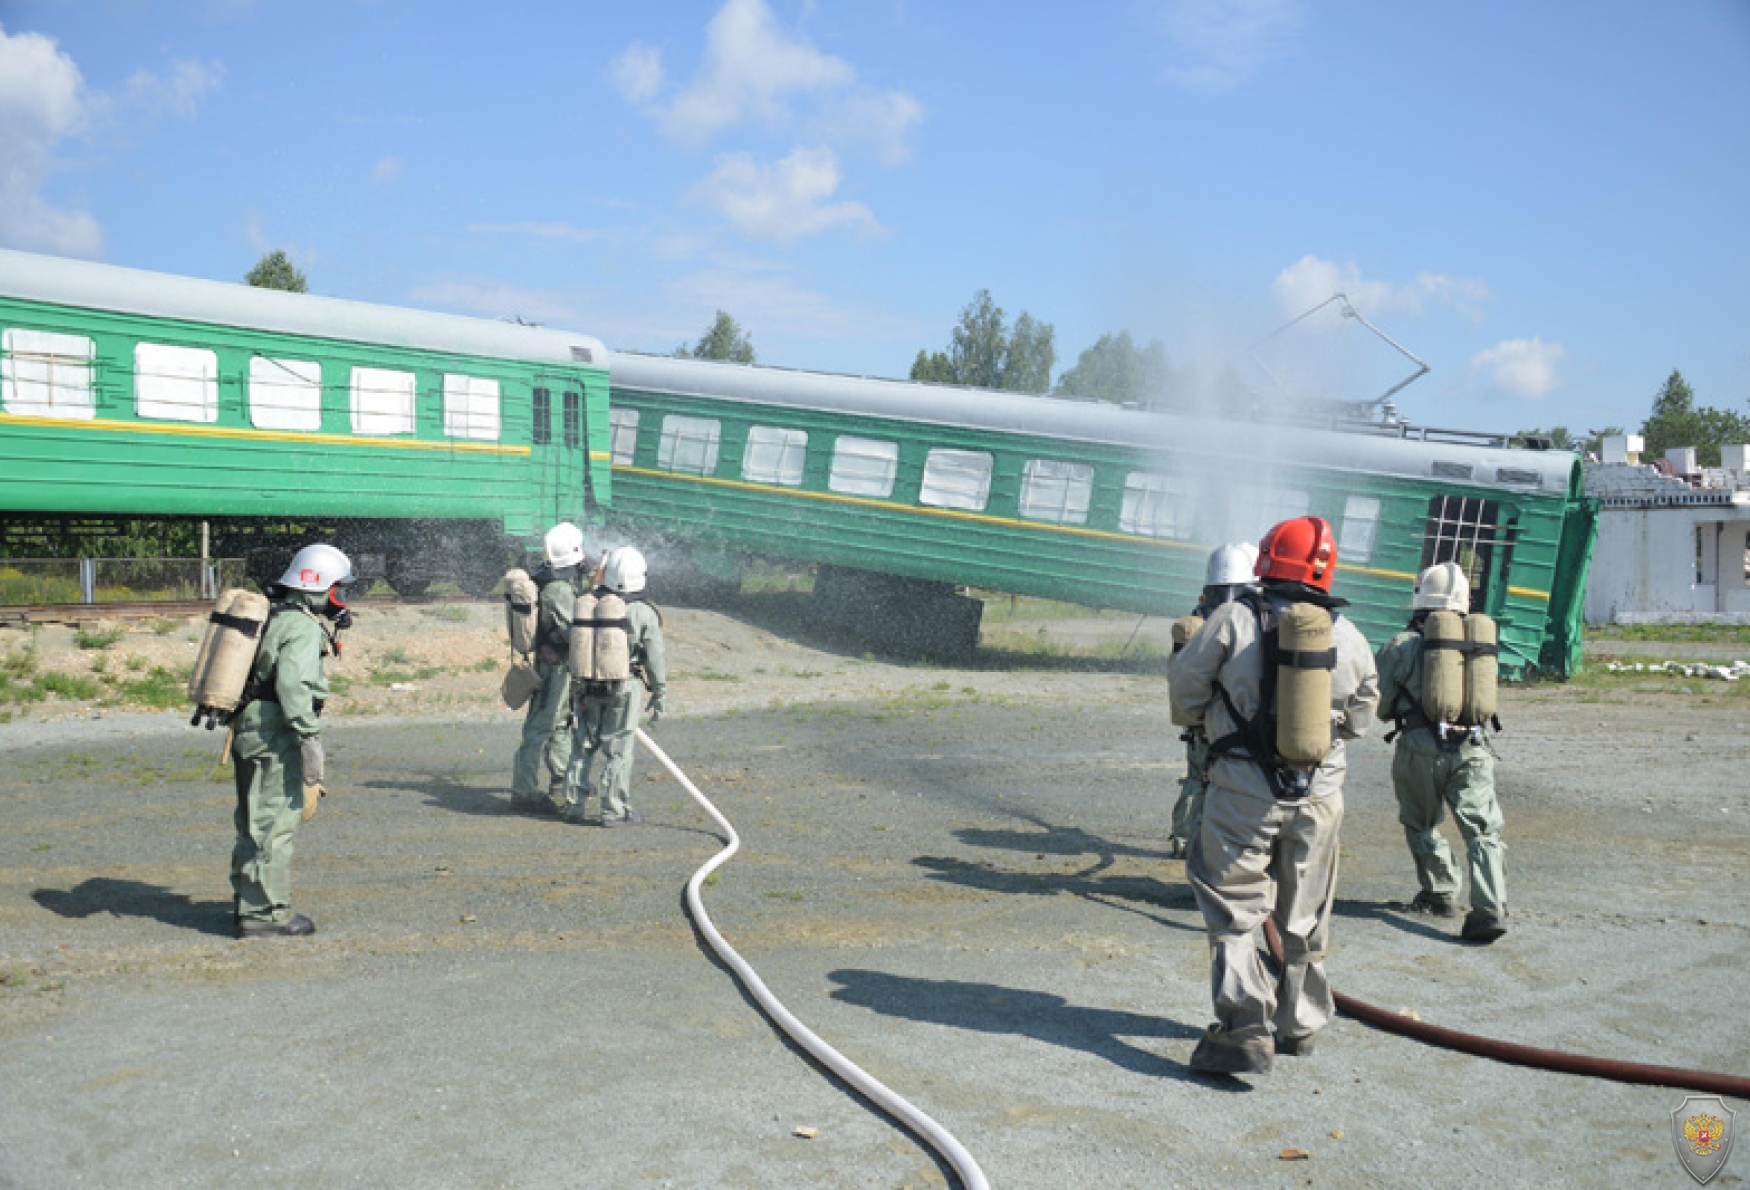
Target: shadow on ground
(990, 1008)
(134, 898)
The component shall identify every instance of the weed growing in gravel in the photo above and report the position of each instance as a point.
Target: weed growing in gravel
(163, 625)
(485, 665)
(449, 613)
(96, 638)
(711, 675)
(394, 655)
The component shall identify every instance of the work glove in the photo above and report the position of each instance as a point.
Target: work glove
(311, 753)
(313, 794)
(658, 704)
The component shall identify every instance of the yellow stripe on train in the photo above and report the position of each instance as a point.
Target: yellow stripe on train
(986, 519)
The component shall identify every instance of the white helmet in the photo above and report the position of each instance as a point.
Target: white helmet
(624, 571)
(564, 545)
(317, 568)
(1231, 565)
(1442, 587)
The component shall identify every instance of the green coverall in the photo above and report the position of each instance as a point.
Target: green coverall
(1430, 780)
(607, 720)
(269, 771)
(545, 752)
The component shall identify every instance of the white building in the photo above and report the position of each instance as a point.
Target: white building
(1673, 540)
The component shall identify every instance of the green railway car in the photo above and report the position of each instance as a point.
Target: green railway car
(1086, 502)
(430, 444)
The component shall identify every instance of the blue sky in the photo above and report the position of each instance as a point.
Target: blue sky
(1545, 202)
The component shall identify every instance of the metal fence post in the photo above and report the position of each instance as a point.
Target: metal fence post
(87, 580)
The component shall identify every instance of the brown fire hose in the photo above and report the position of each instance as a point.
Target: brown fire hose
(1526, 1055)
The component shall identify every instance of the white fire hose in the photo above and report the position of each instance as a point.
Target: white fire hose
(921, 1125)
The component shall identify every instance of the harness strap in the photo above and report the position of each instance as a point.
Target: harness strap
(249, 628)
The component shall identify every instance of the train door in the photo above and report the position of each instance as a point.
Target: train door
(1468, 530)
(560, 445)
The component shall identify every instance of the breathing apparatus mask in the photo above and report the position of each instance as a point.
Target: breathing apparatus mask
(334, 608)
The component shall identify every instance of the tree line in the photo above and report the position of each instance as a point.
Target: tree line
(1674, 420)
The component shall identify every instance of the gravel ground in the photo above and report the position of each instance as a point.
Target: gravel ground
(956, 877)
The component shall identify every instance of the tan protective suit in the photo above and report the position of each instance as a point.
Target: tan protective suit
(1255, 855)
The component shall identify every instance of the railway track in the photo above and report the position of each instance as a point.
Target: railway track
(24, 615)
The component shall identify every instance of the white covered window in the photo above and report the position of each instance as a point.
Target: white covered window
(1278, 505)
(382, 401)
(285, 394)
(956, 479)
(1157, 506)
(774, 455)
(176, 383)
(43, 374)
(470, 407)
(689, 444)
(863, 467)
(1056, 491)
(623, 432)
(1360, 528)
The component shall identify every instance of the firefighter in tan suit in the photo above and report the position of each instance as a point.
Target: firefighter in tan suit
(1268, 843)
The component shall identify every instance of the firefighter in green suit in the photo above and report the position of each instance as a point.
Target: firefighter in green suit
(608, 712)
(1437, 768)
(277, 746)
(537, 783)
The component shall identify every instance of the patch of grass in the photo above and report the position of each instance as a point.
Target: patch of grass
(340, 684)
(389, 677)
(163, 625)
(96, 638)
(712, 675)
(159, 689)
(395, 655)
(1672, 633)
(449, 613)
(74, 687)
(486, 665)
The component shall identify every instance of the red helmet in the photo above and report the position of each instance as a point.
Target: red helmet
(1299, 551)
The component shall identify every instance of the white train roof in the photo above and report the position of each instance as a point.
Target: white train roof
(1381, 451)
(92, 286)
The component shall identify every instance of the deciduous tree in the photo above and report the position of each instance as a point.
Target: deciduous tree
(723, 340)
(276, 271)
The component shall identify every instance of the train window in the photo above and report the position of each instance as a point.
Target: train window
(1056, 491)
(43, 374)
(623, 428)
(774, 455)
(382, 401)
(1157, 506)
(470, 407)
(863, 467)
(285, 394)
(543, 414)
(689, 444)
(573, 419)
(1360, 527)
(956, 479)
(1463, 529)
(176, 383)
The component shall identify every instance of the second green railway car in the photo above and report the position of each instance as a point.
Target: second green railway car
(1086, 502)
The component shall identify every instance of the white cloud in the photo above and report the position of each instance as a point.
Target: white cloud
(177, 95)
(1223, 43)
(497, 299)
(388, 171)
(755, 72)
(1310, 281)
(637, 73)
(1524, 368)
(42, 102)
(539, 231)
(785, 201)
(771, 303)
